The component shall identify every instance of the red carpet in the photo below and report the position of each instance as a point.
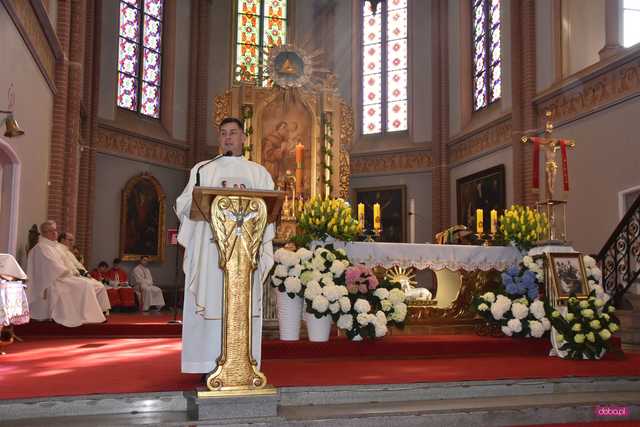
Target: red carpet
(149, 325)
(57, 367)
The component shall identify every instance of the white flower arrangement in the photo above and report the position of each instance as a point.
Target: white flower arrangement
(323, 275)
(286, 272)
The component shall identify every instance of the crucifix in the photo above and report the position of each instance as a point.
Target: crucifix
(550, 146)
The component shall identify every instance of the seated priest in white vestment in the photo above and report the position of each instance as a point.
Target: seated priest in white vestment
(53, 291)
(202, 314)
(142, 282)
(65, 246)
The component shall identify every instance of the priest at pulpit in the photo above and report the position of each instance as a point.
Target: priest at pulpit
(203, 299)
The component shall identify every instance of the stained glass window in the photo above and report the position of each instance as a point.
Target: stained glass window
(260, 25)
(140, 56)
(487, 77)
(631, 23)
(384, 67)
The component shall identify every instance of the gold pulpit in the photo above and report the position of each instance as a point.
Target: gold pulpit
(238, 219)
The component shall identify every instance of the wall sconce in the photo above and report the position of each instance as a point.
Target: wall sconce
(12, 127)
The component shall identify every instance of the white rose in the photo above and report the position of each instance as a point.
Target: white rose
(362, 319)
(342, 290)
(537, 309)
(545, 323)
(331, 292)
(505, 330)
(386, 304)
(304, 254)
(527, 261)
(515, 325)
(313, 290)
(292, 285)
(396, 296)
(342, 252)
(380, 329)
(589, 262)
(334, 307)
(337, 268)
(276, 281)
(345, 304)
(362, 306)
(295, 270)
(399, 312)
(489, 296)
(483, 307)
(286, 257)
(520, 311)
(345, 322)
(318, 263)
(381, 293)
(320, 304)
(500, 307)
(537, 329)
(281, 270)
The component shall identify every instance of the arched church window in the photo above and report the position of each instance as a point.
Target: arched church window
(140, 56)
(487, 78)
(384, 67)
(260, 25)
(631, 23)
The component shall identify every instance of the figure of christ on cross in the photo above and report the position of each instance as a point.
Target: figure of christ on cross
(550, 146)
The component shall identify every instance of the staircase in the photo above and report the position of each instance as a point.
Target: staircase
(619, 260)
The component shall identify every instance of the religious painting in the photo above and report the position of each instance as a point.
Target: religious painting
(282, 129)
(142, 219)
(483, 190)
(392, 202)
(569, 275)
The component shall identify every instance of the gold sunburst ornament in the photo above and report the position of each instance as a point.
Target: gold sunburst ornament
(401, 275)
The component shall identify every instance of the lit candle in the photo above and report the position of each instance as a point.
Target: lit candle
(377, 218)
(361, 216)
(479, 221)
(299, 174)
(494, 221)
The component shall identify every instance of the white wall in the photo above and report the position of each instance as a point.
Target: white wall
(583, 33)
(33, 111)
(605, 161)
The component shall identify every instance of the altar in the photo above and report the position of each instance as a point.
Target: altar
(461, 271)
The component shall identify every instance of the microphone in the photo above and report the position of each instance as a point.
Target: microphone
(227, 154)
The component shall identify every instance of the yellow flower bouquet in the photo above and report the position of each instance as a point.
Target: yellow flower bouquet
(321, 218)
(523, 226)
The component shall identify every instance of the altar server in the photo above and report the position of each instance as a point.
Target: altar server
(142, 282)
(202, 314)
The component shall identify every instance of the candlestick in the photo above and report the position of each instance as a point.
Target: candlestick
(494, 221)
(377, 218)
(299, 173)
(479, 221)
(412, 220)
(361, 216)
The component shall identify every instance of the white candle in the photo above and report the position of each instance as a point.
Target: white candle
(412, 220)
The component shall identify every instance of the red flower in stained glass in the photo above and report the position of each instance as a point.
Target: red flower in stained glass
(371, 111)
(396, 108)
(396, 61)
(396, 123)
(371, 96)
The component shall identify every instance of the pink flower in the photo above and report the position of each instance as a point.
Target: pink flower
(373, 282)
(362, 288)
(352, 274)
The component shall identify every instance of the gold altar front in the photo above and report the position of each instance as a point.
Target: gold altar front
(238, 224)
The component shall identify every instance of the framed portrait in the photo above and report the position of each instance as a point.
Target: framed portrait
(483, 190)
(569, 275)
(142, 219)
(392, 202)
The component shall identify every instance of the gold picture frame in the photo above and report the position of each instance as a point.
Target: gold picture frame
(142, 222)
(568, 274)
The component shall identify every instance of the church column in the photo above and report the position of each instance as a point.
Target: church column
(440, 114)
(523, 72)
(198, 81)
(74, 99)
(86, 182)
(613, 29)
(59, 119)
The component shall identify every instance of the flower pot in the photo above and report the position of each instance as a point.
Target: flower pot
(318, 329)
(289, 316)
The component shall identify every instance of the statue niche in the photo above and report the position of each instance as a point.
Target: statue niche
(283, 129)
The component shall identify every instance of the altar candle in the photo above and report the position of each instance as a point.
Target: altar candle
(361, 216)
(412, 220)
(377, 219)
(479, 221)
(299, 174)
(494, 221)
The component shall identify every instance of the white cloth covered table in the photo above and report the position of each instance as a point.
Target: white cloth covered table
(431, 256)
(14, 308)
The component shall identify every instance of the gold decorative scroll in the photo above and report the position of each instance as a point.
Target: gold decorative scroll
(238, 223)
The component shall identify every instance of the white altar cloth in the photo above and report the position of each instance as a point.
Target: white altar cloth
(431, 256)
